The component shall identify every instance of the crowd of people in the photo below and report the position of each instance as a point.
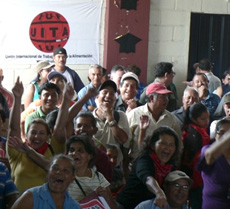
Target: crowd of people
(116, 138)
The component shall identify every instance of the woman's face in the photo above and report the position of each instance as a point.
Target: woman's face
(78, 153)
(165, 147)
(203, 120)
(37, 135)
(44, 72)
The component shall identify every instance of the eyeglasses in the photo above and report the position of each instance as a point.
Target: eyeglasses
(221, 132)
(178, 186)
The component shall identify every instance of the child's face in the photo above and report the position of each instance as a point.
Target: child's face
(112, 154)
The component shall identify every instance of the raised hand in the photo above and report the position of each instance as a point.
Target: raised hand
(17, 144)
(68, 91)
(18, 88)
(144, 122)
(92, 92)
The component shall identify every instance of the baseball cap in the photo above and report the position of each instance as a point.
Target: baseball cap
(157, 87)
(60, 50)
(108, 83)
(176, 175)
(43, 65)
(130, 75)
(55, 73)
(226, 98)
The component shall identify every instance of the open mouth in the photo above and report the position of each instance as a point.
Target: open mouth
(58, 181)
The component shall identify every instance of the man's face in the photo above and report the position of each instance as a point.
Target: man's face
(59, 60)
(169, 78)
(128, 89)
(49, 99)
(160, 103)
(95, 76)
(84, 126)
(106, 98)
(117, 77)
(222, 130)
(190, 97)
(59, 81)
(199, 80)
(176, 194)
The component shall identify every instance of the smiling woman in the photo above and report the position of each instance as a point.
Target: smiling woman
(54, 193)
(156, 159)
(24, 171)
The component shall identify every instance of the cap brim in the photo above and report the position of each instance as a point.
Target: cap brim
(48, 66)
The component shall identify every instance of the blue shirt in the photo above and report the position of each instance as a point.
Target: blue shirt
(7, 186)
(211, 102)
(43, 199)
(91, 101)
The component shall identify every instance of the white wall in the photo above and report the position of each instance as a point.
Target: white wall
(170, 29)
(168, 39)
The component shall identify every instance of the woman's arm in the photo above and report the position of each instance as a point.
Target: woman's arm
(25, 201)
(14, 122)
(217, 149)
(59, 132)
(154, 187)
(144, 124)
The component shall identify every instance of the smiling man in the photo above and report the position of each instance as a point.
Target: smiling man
(176, 187)
(128, 90)
(155, 110)
(112, 125)
(49, 94)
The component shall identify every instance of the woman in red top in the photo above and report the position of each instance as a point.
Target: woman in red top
(194, 137)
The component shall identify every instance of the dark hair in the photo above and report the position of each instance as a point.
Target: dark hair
(221, 123)
(147, 144)
(39, 121)
(104, 71)
(205, 64)
(3, 115)
(88, 145)
(161, 68)
(64, 157)
(47, 86)
(115, 68)
(193, 112)
(86, 114)
(226, 72)
(203, 75)
(134, 69)
(51, 118)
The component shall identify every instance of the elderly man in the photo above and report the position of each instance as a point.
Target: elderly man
(60, 57)
(112, 125)
(155, 112)
(128, 90)
(95, 76)
(190, 96)
(176, 187)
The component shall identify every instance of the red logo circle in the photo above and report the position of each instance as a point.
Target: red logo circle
(48, 31)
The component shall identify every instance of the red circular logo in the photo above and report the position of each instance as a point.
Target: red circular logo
(48, 31)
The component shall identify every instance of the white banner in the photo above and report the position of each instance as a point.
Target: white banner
(31, 29)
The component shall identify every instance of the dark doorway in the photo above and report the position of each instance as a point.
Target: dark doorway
(209, 38)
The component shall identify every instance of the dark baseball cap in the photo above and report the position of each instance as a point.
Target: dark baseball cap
(108, 83)
(59, 50)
